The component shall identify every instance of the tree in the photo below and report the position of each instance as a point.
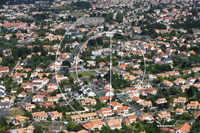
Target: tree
(190, 31)
(190, 91)
(119, 17)
(173, 91)
(66, 63)
(71, 126)
(38, 129)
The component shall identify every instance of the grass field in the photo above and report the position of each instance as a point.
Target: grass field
(84, 74)
(16, 111)
(102, 70)
(77, 14)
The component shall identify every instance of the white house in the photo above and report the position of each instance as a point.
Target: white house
(37, 98)
(22, 94)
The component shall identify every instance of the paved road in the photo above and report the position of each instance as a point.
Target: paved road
(53, 123)
(94, 88)
(15, 67)
(28, 98)
(137, 112)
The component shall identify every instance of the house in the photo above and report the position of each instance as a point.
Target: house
(39, 115)
(29, 106)
(88, 101)
(197, 86)
(52, 85)
(137, 99)
(17, 80)
(183, 88)
(190, 81)
(53, 99)
(129, 90)
(93, 125)
(115, 105)
(47, 104)
(184, 128)
(42, 93)
(133, 94)
(4, 69)
(2, 90)
(179, 111)
(121, 111)
(164, 115)
(105, 112)
(101, 64)
(75, 95)
(145, 104)
(145, 91)
(161, 101)
(179, 100)
(5, 105)
(105, 99)
(103, 83)
(22, 94)
(146, 116)
(88, 116)
(179, 81)
(28, 129)
(114, 123)
(55, 115)
(167, 83)
(129, 120)
(54, 129)
(19, 120)
(67, 88)
(97, 52)
(151, 76)
(193, 105)
(37, 98)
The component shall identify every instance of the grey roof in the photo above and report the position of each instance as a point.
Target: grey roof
(5, 112)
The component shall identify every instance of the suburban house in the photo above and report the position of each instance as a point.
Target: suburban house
(179, 100)
(114, 123)
(88, 101)
(105, 112)
(184, 128)
(39, 115)
(93, 125)
(161, 101)
(164, 115)
(55, 115)
(146, 116)
(37, 98)
(88, 116)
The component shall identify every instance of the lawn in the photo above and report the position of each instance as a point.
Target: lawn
(16, 111)
(178, 124)
(78, 14)
(102, 70)
(84, 74)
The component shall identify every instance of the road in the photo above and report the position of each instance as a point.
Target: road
(137, 111)
(29, 97)
(120, 97)
(94, 88)
(53, 123)
(15, 67)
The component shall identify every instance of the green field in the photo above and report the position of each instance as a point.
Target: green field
(16, 111)
(84, 74)
(102, 70)
(77, 14)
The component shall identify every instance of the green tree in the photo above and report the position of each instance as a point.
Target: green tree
(71, 126)
(119, 17)
(38, 129)
(190, 91)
